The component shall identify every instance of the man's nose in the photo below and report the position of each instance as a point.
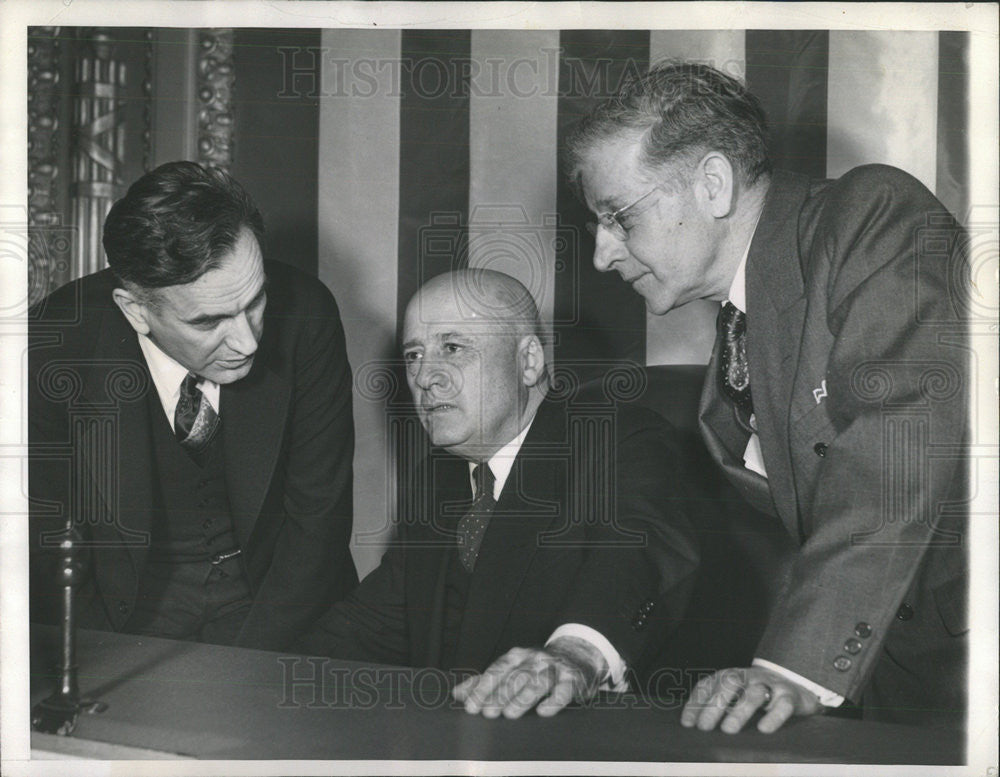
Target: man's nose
(242, 337)
(607, 249)
(430, 373)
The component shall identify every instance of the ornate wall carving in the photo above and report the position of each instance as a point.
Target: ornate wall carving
(48, 247)
(100, 144)
(147, 100)
(216, 77)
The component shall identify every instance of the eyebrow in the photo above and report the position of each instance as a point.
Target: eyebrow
(208, 318)
(438, 338)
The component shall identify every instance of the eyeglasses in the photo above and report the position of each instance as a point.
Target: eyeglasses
(613, 221)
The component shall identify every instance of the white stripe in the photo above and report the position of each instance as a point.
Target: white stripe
(724, 50)
(686, 335)
(512, 146)
(882, 102)
(358, 235)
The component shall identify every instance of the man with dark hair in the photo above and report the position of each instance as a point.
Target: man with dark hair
(855, 354)
(204, 397)
(546, 545)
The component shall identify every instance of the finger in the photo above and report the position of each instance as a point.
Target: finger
(716, 708)
(462, 690)
(539, 687)
(700, 695)
(561, 695)
(743, 710)
(486, 684)
(779, 711)
(506, 693)
(718, 703)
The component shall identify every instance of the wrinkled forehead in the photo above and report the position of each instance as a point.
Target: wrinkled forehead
(611, 170)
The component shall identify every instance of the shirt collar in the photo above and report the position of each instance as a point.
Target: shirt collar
(501, 462)
(738, 289)
(168, 374)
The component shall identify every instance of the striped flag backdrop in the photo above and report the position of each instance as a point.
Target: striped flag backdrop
(438, 149)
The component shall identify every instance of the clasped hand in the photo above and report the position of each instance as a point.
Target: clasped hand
(564, 671)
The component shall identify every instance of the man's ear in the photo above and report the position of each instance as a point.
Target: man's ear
(717, 182)
(531, 360)
(134, 308)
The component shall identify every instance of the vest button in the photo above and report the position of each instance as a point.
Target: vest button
(820, 449)
(842, 663)
(123, 607)
(863, 629)
(207, 523)
(905, 612)
(853, 646)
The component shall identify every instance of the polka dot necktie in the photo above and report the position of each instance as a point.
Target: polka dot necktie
(734, 372)
(472, 526)
(195, 420)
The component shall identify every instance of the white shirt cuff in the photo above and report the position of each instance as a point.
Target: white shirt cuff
(615, 679)
(827, 697)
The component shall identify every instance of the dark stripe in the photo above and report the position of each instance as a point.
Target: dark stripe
(276, 140)
(597, 316)
(433, 157)
(787, 70)
(952, 185)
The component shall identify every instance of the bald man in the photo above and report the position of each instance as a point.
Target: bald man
(505, 564)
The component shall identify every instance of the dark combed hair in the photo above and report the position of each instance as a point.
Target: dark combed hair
(681, 111)
(175, 224)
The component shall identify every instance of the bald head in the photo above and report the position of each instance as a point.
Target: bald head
(483, 298)
(475, 363)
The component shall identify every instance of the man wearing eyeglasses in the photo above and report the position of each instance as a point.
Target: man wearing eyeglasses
(836, 394)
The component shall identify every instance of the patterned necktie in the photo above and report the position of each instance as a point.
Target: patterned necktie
(734, 372)
(472, 525)
(195, 420)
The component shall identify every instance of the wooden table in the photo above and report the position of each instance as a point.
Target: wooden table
(211, 702)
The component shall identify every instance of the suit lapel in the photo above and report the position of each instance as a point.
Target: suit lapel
(253, 412)
(776, 309)
(726, 440)
(523, 512)
(117, 382)
(447, 483)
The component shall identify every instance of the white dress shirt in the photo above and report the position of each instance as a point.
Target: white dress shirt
(753, 459)
(168, 375)
(500, 465)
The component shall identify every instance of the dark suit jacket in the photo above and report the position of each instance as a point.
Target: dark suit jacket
(859, 375)
(585, 531)
(288, 438)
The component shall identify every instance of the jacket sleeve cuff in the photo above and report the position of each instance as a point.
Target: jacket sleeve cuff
(827, 697)
(614, 680)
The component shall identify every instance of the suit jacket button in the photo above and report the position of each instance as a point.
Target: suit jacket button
(648, 607)
(863, 629)
(853, 646)
(820, 448)
(905, 612)
(123, 607)
(842, 663)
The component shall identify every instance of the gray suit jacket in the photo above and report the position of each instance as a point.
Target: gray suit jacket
(860, 376)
